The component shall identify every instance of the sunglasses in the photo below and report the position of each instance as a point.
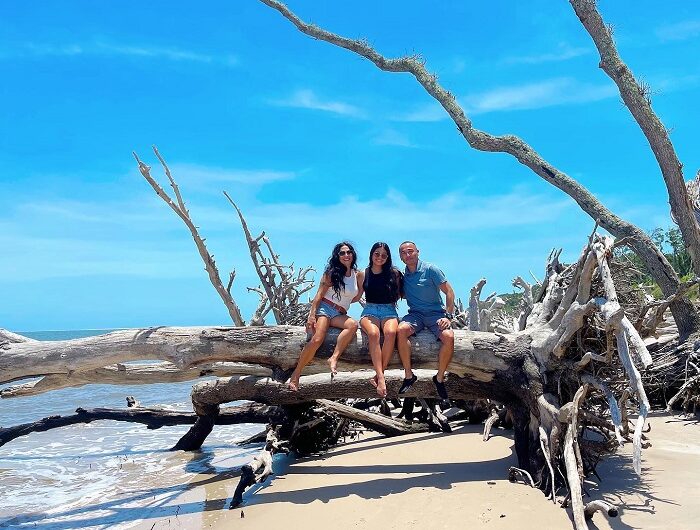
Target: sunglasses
(345, 253)
(381, 255)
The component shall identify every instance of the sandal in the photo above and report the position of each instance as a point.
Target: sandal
(407, 383)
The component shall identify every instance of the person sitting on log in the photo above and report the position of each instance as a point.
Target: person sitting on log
(382, 287)
(339, 287)
(422, 284)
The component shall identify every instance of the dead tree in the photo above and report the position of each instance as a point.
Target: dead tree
(527, 302)
(281, 286)
(486, 315)
(183, 213)
(659, 268)
(152, 417)
(535, 373)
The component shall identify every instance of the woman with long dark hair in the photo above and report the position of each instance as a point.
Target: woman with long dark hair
(382, 287)
(339, 287)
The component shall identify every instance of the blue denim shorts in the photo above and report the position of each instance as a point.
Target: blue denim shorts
(419, 321)
(326, 310)
(381, 312)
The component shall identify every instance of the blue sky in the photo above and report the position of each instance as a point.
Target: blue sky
(315, 144)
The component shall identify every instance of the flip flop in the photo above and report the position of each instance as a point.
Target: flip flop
(440, 387)
(407, 384)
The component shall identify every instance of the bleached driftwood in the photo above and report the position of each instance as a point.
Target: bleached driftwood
(604, 507)
(132, 374)
(377, 422)
(519, 370)
(527, 302)
(183, 213)
(656, 263)
(152, 417)
(637, 98)
(259, 468)
(281, 286)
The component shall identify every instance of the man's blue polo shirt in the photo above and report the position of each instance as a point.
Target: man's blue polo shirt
(422, 289)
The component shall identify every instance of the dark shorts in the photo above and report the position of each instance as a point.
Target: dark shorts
(419, 321)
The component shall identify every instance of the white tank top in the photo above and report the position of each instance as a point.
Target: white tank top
(346, 295)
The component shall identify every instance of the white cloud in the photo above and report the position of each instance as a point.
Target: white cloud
(550, 93)
(35, 258)
(307, 99)
(684, 30)
(395, 212)
(137, 210)
(393, 137)
(564, 52)
(104, 48)
(203, 175)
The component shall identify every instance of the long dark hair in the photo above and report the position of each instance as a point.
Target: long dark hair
(336, 270)
(390, 274)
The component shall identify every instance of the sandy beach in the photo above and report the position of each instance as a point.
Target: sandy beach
(444, 481)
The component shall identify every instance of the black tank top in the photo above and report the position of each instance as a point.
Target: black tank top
(377, 288)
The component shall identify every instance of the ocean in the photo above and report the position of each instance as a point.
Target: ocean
(104, 474)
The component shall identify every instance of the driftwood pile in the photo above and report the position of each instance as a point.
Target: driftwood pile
(585, 351)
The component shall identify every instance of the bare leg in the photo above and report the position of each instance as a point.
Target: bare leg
(390, 328)
(370, 326)
(447, 348)
(310, 349)
(349, 330)
(405, 330)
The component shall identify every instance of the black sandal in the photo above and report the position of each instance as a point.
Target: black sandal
(440, 387)
(407, 384)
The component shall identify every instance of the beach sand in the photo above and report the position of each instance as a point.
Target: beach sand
(445, 481)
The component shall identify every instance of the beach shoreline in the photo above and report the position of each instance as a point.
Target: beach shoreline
(435, 480)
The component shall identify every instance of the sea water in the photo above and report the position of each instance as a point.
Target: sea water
(104, 474)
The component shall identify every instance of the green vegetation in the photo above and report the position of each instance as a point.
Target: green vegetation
(668, 240)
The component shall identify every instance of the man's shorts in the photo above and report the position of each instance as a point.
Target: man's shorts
(419, 321)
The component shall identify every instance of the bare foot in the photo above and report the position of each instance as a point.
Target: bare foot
(381, 387)
(333, 364)
(373, 381)
(294, 383)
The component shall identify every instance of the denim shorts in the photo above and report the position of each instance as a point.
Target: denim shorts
(420, 321)
(326, 310)
(381, 312)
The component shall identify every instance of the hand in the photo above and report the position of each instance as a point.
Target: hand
(311, 322)
(444, 323)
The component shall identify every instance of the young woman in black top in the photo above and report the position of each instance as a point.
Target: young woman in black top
(382, 287)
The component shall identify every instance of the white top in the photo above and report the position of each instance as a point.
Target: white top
(346, 295)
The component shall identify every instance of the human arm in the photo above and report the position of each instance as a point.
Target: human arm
(446, 288)
(360, 278)
(323, 286)
(399, 282)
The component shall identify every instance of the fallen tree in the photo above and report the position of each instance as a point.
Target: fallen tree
(535, 373)
(152, 417)
(573, 362)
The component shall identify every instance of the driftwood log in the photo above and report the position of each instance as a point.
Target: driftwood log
(535, 373)
(260, 467)
(152, 417)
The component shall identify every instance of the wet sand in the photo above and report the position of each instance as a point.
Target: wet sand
(445, 481)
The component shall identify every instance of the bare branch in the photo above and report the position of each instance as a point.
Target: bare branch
(655, 261)
(181, 211)
(635, 94)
